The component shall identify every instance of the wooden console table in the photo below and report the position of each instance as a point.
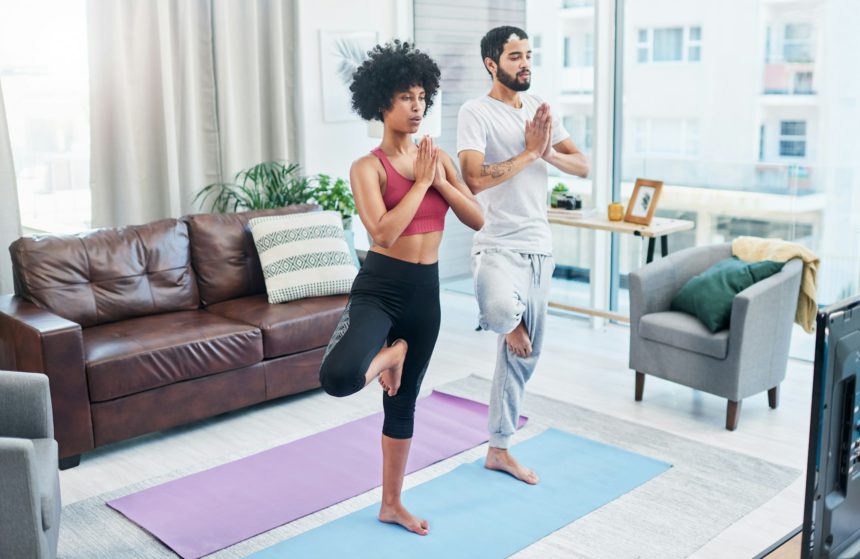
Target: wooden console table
(660, 228)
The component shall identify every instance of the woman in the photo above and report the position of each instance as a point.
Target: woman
(402, 192)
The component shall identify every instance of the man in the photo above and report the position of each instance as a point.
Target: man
(505, 140)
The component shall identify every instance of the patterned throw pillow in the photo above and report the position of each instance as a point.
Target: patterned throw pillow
(303, 255)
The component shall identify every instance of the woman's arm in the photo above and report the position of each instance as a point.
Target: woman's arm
(386, 226)
(451, 186)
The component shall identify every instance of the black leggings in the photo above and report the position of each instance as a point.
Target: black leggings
(390, 299)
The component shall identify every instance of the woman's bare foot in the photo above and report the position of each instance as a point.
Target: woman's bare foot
(397, 514)
(501, 460)
(389, 379)
(518, 340)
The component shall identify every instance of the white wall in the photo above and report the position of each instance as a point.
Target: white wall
(331, 147)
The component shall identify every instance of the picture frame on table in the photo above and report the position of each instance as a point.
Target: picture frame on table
(643, 201)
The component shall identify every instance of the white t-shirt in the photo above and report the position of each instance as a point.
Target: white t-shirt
(515, 210)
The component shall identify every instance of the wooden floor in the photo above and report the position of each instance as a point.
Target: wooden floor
(580, 365)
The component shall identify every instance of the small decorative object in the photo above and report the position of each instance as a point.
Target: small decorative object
(557, 191)
(643, 202)
(569, 201)
(615, 211)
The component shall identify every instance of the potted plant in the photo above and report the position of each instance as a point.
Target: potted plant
(271, 184)
(335, 195)
(275, 184)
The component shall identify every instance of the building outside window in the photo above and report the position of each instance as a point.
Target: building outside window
(803, 83)
(792, 138)
(566, 54)
(643, 46)
(669, 44)
(694, 44)
(797, 43)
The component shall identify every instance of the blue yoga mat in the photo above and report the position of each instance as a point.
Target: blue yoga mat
(474, 512)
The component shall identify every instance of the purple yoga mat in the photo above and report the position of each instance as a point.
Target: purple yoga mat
(201, 513)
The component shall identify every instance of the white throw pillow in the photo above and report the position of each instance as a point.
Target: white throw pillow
(303, 255)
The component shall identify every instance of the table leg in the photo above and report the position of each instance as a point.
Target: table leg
(650, 257)
(664, 246)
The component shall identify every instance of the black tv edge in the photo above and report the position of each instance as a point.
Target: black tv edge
(831, 516)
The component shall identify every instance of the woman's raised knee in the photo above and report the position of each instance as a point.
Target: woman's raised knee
(340, 381)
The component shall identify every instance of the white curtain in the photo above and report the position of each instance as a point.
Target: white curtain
(183, 94)
(10, 219)
(255, 80)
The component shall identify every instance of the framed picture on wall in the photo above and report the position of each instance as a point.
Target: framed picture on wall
(643, 202)
(341, 52)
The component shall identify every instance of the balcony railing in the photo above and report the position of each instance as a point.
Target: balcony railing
(761, 177)
(789, 79)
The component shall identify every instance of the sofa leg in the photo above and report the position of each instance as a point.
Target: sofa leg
(640, 385)
(773, 397)
(70, 462)
(733, 412)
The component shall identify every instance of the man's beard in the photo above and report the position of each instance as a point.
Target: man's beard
(511, 81)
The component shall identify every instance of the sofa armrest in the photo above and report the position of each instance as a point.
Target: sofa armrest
(761, 324)
(653, 286)
(20, 506)
(25, 406)
(35, 340)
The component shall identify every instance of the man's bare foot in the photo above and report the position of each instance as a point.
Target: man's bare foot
(389, 379)
(397, 514)
(501, 460)
(518, 341)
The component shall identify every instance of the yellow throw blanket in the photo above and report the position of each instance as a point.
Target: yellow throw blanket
(755, 249)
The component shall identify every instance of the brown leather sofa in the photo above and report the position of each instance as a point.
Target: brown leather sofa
(147, 327)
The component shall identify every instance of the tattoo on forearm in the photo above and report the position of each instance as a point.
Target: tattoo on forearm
(497, 170)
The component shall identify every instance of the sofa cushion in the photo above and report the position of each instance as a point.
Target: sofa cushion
(143, 353)
(303, 255)
(289, 327)
(108, 275)
(709, 295)
(223, 253)
(684, 331)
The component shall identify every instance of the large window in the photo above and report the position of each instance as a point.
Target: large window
(566, 82)
(43, 66)
(746, 158)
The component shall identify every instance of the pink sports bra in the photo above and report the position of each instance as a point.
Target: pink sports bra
(431, 213)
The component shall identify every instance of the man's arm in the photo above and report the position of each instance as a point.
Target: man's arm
(479, 176)
(566, 157)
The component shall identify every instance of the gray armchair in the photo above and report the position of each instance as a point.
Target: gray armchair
(29, 477)
(747, 358)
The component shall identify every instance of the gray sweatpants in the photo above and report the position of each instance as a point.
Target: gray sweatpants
(511, 286)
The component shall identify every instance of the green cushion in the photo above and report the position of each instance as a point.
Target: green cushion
(709, 295)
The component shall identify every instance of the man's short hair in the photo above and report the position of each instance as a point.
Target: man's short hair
(493, 43)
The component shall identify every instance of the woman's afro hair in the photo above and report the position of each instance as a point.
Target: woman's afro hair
(392, 68)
